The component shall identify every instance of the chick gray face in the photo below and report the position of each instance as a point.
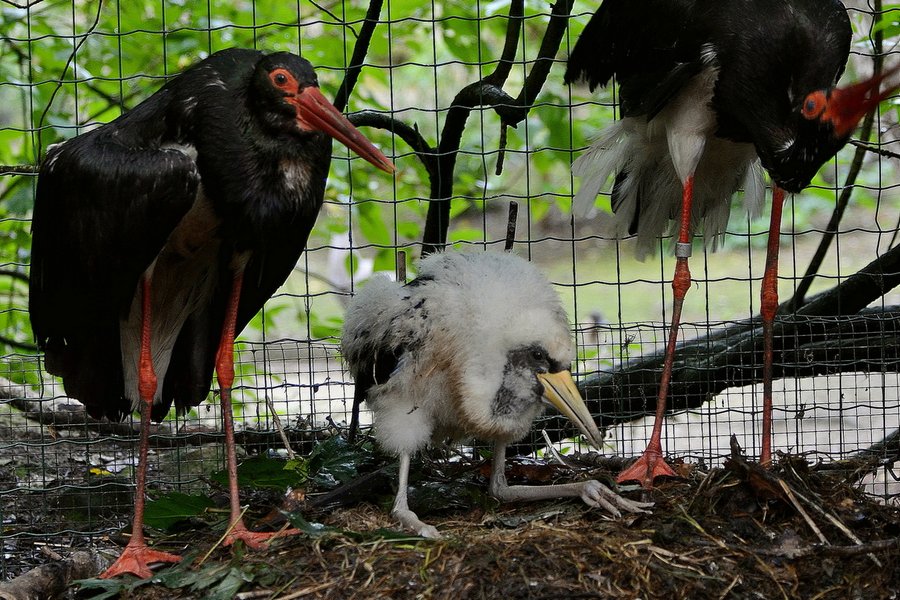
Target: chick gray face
(521, 390)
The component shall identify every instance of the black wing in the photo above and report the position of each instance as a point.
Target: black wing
(187, 382)
(375, 351)
(104, 208)
(655, 47)
(652, 47)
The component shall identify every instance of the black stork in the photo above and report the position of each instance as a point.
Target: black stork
(476, 346)
(710, 90)
(157, 236)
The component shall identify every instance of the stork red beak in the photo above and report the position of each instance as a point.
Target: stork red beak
(560, 391)
(315, 112)
(847, 106)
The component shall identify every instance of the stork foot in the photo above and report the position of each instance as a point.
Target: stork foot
(257, 540)
(136, 559)
(409, 520)
(594, 493)
(646, 469)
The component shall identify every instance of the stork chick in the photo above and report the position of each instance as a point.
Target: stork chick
(476, 346)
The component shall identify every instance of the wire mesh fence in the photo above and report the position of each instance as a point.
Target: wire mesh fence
(468, 100)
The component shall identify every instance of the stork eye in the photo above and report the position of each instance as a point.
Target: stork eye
(814, 105)
(280, 78)
(538, 355)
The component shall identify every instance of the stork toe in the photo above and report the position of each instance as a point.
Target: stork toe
(136, 560)
(409, 520)
(594, 493)
(257, 540)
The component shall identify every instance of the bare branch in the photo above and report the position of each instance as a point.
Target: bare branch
(360, 50)
(64, 413)
(488, 92)
(18, 169)
(409, 134)
(833, 333)
(874, 149)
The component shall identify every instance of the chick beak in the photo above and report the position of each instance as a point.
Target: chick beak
(848, 105)
(560, 391)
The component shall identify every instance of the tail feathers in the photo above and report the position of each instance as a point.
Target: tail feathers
(609, 154)
(647, 193)
(754, 185)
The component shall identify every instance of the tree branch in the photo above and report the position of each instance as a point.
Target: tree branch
(488, 92)
(410, 135)
(360, 50)
(18, 169)
(868, 147)
(556, 30)
(64, 413)
(732, 357)
(833, 333)
(510, 45)
(52, 579)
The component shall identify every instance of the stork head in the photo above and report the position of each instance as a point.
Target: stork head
(285, 92)
(823, 121)
(531, 379)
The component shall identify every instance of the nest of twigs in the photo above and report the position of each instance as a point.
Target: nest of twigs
(794, 531)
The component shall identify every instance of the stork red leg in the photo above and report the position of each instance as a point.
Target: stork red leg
(225, 374)
(651, 464)
(768, 308)
(137, 556)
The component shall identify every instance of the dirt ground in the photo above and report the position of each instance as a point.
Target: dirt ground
(797, 531)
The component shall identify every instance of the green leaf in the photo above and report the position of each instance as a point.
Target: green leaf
(372, 224)
(335, 461)
(313, 530)
(461, 35)
(167, 511)
(103, 588)
(325, 327)
(263, 472)
(229, 586)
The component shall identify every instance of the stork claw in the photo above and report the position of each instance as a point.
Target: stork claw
(410, 521)
(646, 469)
(257, 540)
(136, 559)
(594, 493)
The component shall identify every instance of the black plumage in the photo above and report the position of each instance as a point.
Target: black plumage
(769, 55)
(709, 90)
(158, 236)
(108, 201)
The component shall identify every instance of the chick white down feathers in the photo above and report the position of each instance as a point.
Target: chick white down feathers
(459, 352)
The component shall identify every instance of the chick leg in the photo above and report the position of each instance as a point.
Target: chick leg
(408, 519)
(592, 492)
